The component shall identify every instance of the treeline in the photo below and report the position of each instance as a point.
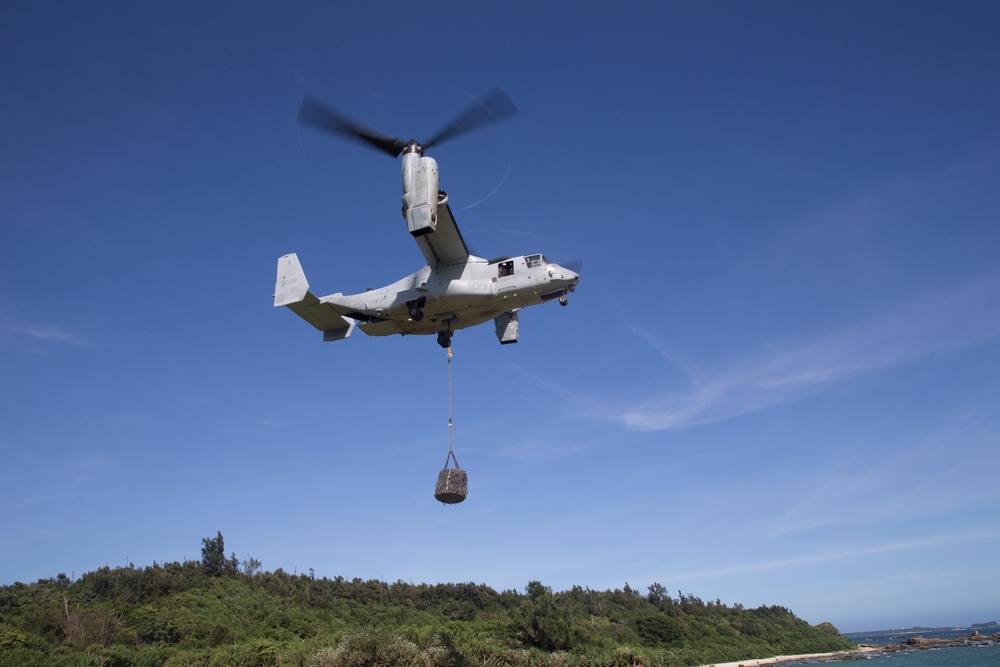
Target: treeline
(222, 611)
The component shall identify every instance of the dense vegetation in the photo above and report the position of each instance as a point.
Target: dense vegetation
(220, 611)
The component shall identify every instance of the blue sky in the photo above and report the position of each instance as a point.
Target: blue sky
(778, 381)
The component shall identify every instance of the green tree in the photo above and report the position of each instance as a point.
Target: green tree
(251, 566)
(213, 556)
(536, 590)
(544, 622)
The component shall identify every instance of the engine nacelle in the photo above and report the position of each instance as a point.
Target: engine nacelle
(420, 193)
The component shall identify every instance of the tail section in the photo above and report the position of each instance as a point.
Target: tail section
(291, 289)
(291, 285)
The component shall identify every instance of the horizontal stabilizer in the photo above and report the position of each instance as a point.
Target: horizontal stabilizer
(291, 289)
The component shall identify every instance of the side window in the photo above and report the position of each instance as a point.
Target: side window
(533, 261)
(506, 268)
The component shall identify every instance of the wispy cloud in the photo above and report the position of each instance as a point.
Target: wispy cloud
(47, 333)
(938, 322)
(929, 542)
(842, 493)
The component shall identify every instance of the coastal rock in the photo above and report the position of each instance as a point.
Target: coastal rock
(927, 642)
(921, 641)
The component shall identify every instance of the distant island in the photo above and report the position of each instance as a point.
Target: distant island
(919, 629)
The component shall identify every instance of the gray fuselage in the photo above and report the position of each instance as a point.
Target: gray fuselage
(456, 296)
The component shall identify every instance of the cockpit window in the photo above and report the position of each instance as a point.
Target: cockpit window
(533, 260)
(506, 268)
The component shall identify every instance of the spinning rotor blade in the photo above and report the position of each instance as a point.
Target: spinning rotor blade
(576, 266)
(314, 113)
(490, 109)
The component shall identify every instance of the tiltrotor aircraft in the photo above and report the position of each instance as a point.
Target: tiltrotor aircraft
(456, 289)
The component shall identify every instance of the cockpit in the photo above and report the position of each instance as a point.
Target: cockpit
(506, 267)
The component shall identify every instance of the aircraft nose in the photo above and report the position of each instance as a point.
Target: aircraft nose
(562, 273)
(567, 277)
(569, 274)
(573, 270)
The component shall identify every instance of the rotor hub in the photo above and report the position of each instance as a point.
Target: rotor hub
(413, 147)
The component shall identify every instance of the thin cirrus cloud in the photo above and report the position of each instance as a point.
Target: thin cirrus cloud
(825, 556)
(47, 333)
(938, 322)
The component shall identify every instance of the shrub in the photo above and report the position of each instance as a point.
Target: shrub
(368, 648)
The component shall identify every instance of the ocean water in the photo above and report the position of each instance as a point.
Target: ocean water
(957, 656)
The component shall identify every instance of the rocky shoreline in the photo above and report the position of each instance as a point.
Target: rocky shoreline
(919, 643)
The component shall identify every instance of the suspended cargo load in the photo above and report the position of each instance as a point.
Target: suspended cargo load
(453, 484)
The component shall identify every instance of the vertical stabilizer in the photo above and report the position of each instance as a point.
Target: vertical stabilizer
(290, 286)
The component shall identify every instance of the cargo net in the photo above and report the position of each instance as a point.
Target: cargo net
(452, 483)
